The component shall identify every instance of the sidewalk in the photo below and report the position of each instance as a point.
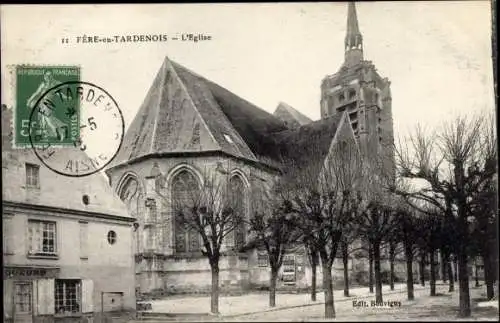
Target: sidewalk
(258, 302)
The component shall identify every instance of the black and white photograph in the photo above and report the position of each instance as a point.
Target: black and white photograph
(271, 161)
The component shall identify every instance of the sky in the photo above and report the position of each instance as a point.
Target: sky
(436, 54)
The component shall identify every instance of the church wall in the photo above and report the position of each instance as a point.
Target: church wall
(181, 273)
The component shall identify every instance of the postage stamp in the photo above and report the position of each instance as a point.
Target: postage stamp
(99, 122)
(59, 119)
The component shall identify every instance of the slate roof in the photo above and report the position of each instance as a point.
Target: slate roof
(290, 116)
(55, 190)
(256, 134)
(251, 123)
(308, 145)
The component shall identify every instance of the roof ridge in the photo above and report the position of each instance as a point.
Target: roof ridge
(160, 100)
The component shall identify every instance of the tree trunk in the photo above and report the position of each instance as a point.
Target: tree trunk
(214, 297)
(443, 265)
(272, 287)
(489, 276)
(314, 267)
(378, 274)
(409, 270)
(345, 260)
(328, 288)
(451, 285)
(455, 269)
(476, 277)
(421, 269)
(432, 280)
(463, 282)
(370, 269)
(392, 252)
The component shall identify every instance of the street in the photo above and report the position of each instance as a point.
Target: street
(441, 307)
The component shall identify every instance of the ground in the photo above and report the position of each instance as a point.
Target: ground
(298, 307)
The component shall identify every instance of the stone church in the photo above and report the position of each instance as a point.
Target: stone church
(188, 125)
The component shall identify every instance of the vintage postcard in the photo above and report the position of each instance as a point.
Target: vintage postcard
(249, 161)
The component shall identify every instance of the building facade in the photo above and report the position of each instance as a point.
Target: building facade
(188, 127)
(67, 242)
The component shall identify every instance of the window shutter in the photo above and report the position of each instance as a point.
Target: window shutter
(8, 235)
(45, 296)
(8, 295)
(87, 296)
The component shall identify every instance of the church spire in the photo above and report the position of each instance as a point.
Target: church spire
(353, 38)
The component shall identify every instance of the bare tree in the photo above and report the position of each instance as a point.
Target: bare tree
(324, 197)
(377, 221)
(209, 211)
(348, 239)
(273, 226)
(408, 229)
(313, 257)
(453, 172)
(375, 224)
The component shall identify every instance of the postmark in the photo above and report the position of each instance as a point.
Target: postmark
(100, 123)
(57, 127)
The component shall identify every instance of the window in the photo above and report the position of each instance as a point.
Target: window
(42, 237)
(184, 185)
(32, 175)
(289, 269)
(23, 297)
(67, 296)
(341, 97)
(111, 237)
(237, 189)
(262, 259)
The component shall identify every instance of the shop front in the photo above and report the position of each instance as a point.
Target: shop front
(37, 294)
(20, 288)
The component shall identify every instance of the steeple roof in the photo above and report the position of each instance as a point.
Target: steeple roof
(352, 21)
(353, 43)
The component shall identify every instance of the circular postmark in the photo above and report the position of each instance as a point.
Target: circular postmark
(76, 128)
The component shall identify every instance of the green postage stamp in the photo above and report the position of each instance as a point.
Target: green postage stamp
(55, 122)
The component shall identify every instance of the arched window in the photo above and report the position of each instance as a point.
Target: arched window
(238, 198)
(129, 192)
(128, 189)
(184, 185)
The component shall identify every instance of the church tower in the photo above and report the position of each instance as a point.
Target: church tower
(358, 89)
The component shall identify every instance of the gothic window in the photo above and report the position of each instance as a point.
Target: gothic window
(184, 185)
(129, 189)
(237, 189)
